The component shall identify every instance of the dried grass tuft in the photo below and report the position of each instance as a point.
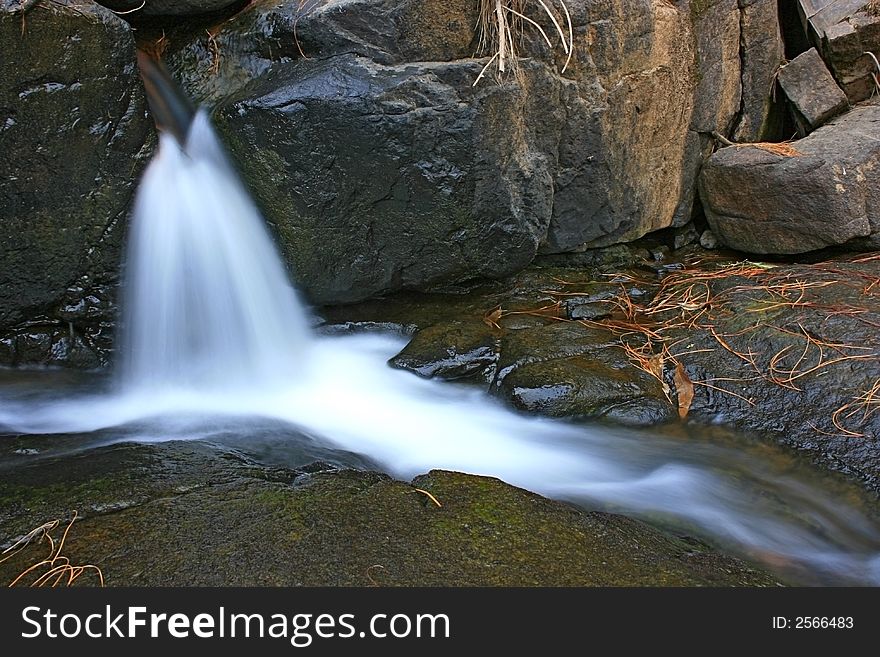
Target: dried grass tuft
(501, 21)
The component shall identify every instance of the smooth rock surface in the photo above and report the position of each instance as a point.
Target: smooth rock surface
(131, 9)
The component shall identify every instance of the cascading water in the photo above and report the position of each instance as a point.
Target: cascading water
(208, 302)
(215, 340)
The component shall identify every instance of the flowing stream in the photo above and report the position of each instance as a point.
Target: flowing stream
(215, 340)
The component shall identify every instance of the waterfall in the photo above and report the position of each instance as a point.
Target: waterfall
(208, 303)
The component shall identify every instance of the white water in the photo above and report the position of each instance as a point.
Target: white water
(215, 337)
(208, 303)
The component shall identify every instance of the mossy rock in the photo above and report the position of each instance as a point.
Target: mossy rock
(198, 515)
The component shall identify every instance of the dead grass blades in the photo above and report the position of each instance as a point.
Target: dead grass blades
(55, 569)
(782, 149)
(876, 70)
(859, 411)
(214, 49)
(501, 25)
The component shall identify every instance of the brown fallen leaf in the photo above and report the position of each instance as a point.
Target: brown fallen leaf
(684, 388)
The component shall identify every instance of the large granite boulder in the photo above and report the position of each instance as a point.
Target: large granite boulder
(359, 129)
(73, 129)
(379, 177)
(826, 192)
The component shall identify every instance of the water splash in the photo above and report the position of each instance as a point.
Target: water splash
(216, 341)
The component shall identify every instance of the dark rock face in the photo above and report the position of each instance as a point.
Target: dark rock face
(73, 129)
(378, 146)
(129, 8)
(371, 190)
(762, 53)
(238, 523)
(811, 90)
(760, 202)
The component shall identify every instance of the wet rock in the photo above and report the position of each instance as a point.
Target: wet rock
(792, 353)
(399, 161)
(568, 368)
(617, 256)
(571, 370)
(84, 305)
(475, 181)
(188, 514)
(131, 9)
(811, 90)
(33, 346)
(587, 387)
(660, 253)
(685, 235)
(584, 308)
(71, 350)
(73, 129)
(455, 350)
(641, 410)
(543, 343)
(336, 328)
(7, 351)
(829, 193)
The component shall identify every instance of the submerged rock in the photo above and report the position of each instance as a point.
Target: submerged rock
(826, 192)
(187, 514)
